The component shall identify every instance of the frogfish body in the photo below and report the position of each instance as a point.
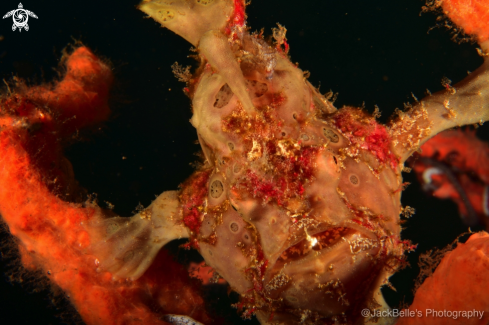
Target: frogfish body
(296, 204)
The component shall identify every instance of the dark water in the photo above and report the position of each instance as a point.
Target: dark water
(376, 52)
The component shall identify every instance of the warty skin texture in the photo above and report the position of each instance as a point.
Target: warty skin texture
(251, 105)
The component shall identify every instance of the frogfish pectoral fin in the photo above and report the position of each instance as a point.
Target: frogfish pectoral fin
(126, 247)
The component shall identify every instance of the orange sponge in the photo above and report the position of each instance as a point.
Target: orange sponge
(471, 15)
(52, 233)
(459, 284)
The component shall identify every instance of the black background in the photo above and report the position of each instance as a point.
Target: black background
(376, 52)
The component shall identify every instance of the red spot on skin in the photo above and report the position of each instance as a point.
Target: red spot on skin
(238, 18)
(239, 14)
(246, 302)
(52, 234)
(278, 100)
(256, 274)
(194, 192)
(271, 316)
(364, 131)
(288, 179)
(365, 220)
(286, 48)
(262, 262)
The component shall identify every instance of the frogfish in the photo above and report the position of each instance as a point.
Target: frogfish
(296, 204)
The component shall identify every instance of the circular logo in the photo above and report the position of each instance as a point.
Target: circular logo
(20, 17)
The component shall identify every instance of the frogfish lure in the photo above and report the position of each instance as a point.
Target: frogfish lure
(296, 206)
